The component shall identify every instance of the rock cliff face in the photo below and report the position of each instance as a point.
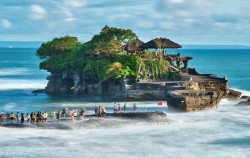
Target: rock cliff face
(63, 83)
(201, 93)
(194, 100)
(198, 93)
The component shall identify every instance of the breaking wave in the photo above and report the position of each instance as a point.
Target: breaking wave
(11, 84)
(14, 71)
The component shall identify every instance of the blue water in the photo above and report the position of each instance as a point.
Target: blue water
(223, 132)
(232, 63)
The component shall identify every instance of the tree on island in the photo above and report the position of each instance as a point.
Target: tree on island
(58, 46)
(102, 58)
(110, 40)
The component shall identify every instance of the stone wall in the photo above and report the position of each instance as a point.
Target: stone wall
(203, 93)
(189, 100)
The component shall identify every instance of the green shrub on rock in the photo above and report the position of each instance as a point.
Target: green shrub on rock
(102, 57)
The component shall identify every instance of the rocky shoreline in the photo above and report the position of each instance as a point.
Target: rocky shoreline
(201, 91)
(185, 89)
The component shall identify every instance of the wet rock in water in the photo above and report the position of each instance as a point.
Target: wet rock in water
(38, 91)
(140, 115)
(245, 97)
(233, 94)
(148, 115)
(194, 100)
(246, 103)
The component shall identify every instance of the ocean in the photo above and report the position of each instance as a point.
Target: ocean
(223, 132)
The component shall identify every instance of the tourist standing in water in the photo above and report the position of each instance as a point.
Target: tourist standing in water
(12, 117)
(124, 107)
(101, 111)
(58, 116)
(145, 107)
(119, 106)
(28, 117)
(31, 117)
(75, 115)
(45, 116)
(64, 112)
(82, 113)
(115, 108)
(96, 110)
(134, 107)
(22, 118)
(53, 115)
(1, 118)
(17, 117)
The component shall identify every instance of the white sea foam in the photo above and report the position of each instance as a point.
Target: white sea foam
(9, 107)
(10, 84)
(14, 71)
(202, 134)
(203, 139)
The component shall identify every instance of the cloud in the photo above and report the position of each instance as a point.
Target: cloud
(145, 24)
(75, 3)
(226, 18)
(65, 10)
(177, 1)
(185, 8)
(37, 12)
(6, 24)
(180, 20)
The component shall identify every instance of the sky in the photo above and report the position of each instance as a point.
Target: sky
(199, 22)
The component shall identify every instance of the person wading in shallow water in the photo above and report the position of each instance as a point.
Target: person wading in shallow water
(11, 117)
(124, 107)
(101, 111)
(22, 118)
(53, 115)
(75, 114)
(58, 116)
(134, 107)
(82, 113)
(1, 117)
(115, 108)
(28, 117)
(17, 117)
(64, 112)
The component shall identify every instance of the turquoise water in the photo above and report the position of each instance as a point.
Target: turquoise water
(232, 63)
(222, 132)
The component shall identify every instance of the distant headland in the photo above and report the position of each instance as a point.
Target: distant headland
(115, 63)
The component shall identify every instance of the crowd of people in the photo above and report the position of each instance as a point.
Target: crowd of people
(41, 117)
(118, 108)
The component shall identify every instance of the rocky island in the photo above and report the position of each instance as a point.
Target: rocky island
(116, 64)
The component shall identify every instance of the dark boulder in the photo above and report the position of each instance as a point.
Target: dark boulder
(245, 97)
(246, 103)
(233, 94)
(39, 91)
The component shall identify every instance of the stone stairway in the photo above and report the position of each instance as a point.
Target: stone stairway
(185, 77)
(172, 86)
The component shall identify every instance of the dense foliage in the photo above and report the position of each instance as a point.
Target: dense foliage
(102, 57)
(58, 46)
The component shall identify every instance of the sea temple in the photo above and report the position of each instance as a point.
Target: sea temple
(116, 64)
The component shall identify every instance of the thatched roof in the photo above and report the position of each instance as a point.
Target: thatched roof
(160, 43)
(133, 46)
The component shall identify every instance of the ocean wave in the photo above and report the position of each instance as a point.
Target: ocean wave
(14, 71)
(10, 84)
